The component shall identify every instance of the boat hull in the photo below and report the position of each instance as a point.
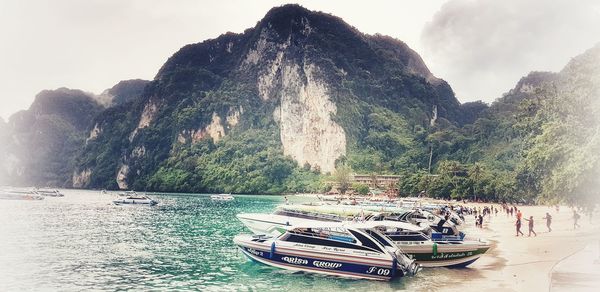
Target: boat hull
(222, 199)
(320, 263)
(135, 202)
(445, 255)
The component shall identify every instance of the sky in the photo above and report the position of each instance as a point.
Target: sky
(481, 47)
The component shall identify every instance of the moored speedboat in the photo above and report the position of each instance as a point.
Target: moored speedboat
(414, 240)
(438, 228)
(10, 194)
(136, 200)
(222, 197)
(428, 253)
(48, 193)
(331, 249)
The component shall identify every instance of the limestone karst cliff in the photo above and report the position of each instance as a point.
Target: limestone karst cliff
(312, 88)
(301, 91)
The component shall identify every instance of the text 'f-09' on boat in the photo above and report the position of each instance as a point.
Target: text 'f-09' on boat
(330, 248)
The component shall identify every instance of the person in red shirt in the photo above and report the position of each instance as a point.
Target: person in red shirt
(518, 225)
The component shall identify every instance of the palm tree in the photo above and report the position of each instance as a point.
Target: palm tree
(475, 174)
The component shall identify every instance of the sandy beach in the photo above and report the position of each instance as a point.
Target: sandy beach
(526, 263)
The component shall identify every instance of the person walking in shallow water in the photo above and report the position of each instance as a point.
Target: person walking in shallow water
(548, 221)
(575, 219)
(518, 225)
(531, 226)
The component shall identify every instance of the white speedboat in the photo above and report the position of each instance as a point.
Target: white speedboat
(48, 193)
(136, 200)
(15, 194)
(441, 229)
(332, 249)
(416, 243)
(414, 240)
(222, 197)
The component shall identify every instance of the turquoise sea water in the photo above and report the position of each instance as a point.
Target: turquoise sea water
(84, 242)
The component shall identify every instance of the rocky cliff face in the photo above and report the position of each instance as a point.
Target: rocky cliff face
(312, 90)
(306, 79)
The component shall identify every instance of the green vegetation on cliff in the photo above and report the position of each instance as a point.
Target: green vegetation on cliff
(278, 107)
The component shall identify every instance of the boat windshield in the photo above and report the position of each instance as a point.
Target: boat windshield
(137, 197)
(309, 215)
(337, 234)
(399, 234)
(333, 237)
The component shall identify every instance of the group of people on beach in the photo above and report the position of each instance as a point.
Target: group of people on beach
(548, 219)
(512, 210)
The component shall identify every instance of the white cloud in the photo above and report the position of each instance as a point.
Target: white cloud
(483, 47)
(93, 44)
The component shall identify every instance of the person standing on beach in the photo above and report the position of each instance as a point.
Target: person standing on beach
(575, 219)
(511, 211)
(518, 225)
(531, 226)
(548, 221)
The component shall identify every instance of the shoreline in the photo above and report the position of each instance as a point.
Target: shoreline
(526, 264)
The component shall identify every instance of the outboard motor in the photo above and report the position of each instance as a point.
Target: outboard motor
(408, 266)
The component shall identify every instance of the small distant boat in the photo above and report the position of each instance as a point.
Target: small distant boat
(48, 193)
(128, 194)
(135, 199)
(19, 195)
(222, 197)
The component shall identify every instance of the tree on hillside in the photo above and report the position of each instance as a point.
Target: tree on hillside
(341, 176)
(562, 162)
(475, 173)
(361, 189)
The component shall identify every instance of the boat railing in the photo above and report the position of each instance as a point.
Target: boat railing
(309, 215)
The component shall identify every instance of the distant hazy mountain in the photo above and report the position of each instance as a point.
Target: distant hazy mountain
(40, 144)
